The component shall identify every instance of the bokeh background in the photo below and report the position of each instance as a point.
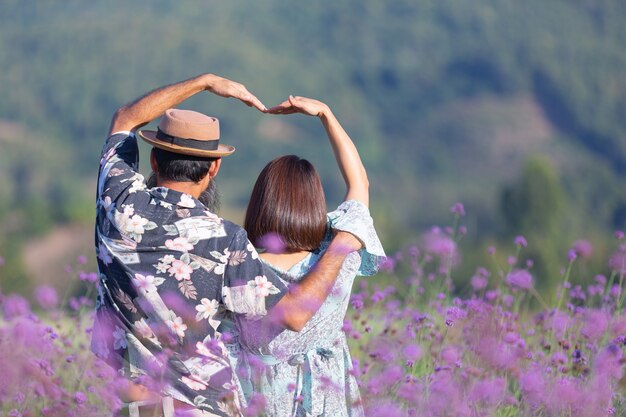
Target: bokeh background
(515, 108)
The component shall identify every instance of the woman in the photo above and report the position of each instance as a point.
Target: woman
(306, 373)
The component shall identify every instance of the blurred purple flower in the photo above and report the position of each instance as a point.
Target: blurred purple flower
(520, 241)
(412, 353)
(441, 245)
(454, 314)
(387, 264)
(571, 255)
(15, 306)
(583, 248)
(520, 278)
(533, 386)
(458, 209)
(595, 324)
(91, 277)
(488, 392)
(619, 234)
(47, 297)
(80, 398)
(272, 243)
(559, 358)
(617, 262)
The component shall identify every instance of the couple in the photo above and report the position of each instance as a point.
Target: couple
(202, 315)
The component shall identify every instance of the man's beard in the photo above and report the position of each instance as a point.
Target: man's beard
(210, 197)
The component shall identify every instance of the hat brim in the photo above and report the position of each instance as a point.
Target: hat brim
(150, 137)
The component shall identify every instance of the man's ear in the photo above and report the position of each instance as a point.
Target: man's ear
(215, 167)
(153, 162)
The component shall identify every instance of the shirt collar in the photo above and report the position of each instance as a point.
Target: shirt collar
(176, 198)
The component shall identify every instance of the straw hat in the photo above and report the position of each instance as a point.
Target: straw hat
(188, 132)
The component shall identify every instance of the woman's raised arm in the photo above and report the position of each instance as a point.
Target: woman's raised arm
(346, 154)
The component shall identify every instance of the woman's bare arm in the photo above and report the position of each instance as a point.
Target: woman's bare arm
(346, 154)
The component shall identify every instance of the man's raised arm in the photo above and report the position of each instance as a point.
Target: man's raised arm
(152, 105)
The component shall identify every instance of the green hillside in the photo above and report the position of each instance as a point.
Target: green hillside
(446, 100)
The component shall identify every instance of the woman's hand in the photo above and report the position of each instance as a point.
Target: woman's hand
(308, 106)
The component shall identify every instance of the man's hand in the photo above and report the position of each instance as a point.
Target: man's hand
(153, 104)
(303, 105)
(230, 89)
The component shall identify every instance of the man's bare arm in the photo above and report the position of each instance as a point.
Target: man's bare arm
(303, 300)
(152, 105)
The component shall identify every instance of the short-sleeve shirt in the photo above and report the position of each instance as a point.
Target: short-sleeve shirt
(169, 270)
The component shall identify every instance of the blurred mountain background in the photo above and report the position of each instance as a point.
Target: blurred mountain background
(515, 108)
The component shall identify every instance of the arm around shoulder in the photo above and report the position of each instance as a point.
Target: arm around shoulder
(303, 299)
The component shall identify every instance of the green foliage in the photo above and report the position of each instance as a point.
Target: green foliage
(534, 204)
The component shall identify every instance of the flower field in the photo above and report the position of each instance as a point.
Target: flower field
(504, 349)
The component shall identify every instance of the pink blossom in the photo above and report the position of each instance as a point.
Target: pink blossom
(144, 283)
(180, 244)
(180, 270)
(263, 286)
(177, 326)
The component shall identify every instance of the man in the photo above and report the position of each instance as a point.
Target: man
(170, 269)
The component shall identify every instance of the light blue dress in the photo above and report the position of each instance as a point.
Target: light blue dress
(308, 373)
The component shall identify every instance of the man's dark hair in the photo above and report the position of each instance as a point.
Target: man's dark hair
(287, 200)
(183, 168)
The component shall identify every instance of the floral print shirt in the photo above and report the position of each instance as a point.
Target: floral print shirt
(169, 271)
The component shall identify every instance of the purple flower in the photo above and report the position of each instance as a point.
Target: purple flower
(480, 279)
(80, 398)
(454, 314)
(439, 244)
(272, 243)
(491, 250)
(520, 241)
(47, 297)
(520, 278)
(559, 358)
(533, 386)
(583, 248)
(488, 392)
(88, 276)
(458, 209)
(617, 262)
(412, 353)
(387, 264)
(571, 255)
(15, 306)
(619, 234)
(595, 324)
